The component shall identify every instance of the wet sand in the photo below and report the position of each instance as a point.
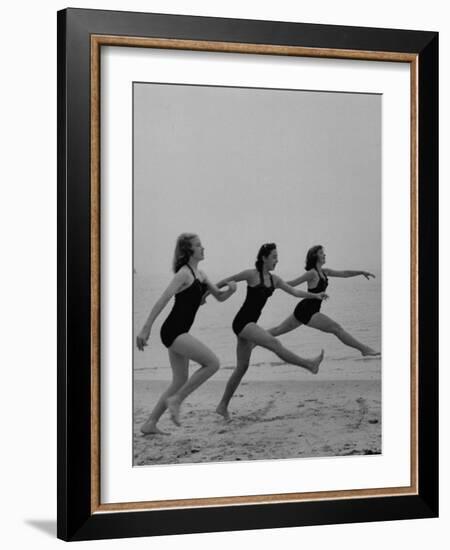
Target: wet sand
(269, 420)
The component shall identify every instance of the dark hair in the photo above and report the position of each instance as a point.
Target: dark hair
(263, 252)
(311, 257)
(183, 250)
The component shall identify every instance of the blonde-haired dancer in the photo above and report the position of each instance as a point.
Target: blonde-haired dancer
(188, 285)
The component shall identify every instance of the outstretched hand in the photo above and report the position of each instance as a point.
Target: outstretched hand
(323, 296)
(142, 339)
(232, 286)
(368, 275)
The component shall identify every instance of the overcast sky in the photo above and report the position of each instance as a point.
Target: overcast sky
(241, 167)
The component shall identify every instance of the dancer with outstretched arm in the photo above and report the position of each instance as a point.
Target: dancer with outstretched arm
(308, 311)
(188, 285)
(260, 286)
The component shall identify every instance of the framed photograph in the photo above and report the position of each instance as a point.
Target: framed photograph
(247, 274)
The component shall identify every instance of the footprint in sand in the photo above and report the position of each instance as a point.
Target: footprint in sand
(362, 412)
(274, 418)
(258, 414)
(264, 410)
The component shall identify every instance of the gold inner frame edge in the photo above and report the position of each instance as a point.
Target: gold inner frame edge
(97, 41)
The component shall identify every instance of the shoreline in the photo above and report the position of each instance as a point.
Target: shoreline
(343, 369)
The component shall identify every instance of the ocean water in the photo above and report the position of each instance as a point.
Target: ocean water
(355, 303)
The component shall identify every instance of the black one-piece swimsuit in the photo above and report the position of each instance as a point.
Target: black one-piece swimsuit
(254, 302)
(182, 316)
(308, 306)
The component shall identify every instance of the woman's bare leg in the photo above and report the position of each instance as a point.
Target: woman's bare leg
(326, 324)
(261, 337)
(287, 325)
(243, 352)
(180, 372)
(191, 348)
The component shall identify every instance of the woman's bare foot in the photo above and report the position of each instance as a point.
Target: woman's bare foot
(173, 406)
(316, 362)
(223, 411)
(369, 352)
(151, 428)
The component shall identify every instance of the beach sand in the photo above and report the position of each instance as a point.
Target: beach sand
(269, 420)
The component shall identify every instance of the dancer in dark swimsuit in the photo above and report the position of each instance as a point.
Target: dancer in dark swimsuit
(249, 333)
(307, 307)
(182, 316)
(188, 286)
(308, 313)
(254, 302)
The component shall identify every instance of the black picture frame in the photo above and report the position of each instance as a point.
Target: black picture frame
(77, 518)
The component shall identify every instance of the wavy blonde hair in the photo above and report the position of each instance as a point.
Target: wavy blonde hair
(183, 250)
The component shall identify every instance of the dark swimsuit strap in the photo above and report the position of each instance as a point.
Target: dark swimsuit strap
(262, 280)
(324, 278)
(196, 278)
(192, 271)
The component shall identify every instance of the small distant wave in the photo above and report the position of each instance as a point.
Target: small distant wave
(225, 367)
(148, 368)
(343, 358)
(260, 364)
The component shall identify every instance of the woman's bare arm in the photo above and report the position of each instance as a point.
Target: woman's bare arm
(279, 283)
(345, 274)
(178, 281)
(307, 276)
(241, 276)
(219, 295)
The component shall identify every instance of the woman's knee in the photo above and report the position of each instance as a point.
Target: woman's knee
(212, 363)
(177, 383)
(335, 328)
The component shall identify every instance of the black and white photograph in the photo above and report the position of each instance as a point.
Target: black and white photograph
(257, 283)
(227, 219)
